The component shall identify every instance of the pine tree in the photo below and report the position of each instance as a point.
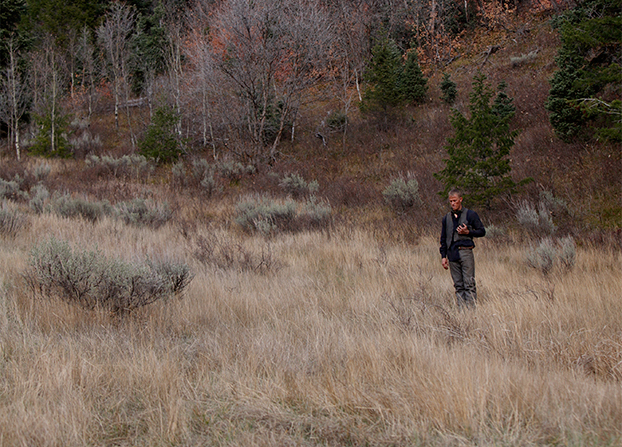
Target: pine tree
(448, 89)
(383, 77)
(585, 91)
(160, 141)
(478, 152)
(412, 83)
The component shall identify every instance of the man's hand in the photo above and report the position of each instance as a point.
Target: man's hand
(463, 229)
(445, 263)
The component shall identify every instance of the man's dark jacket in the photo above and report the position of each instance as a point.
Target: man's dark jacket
(450, 246)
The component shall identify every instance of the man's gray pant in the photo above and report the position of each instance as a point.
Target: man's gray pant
(463, 274)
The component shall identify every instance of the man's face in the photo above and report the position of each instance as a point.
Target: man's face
(455, 202)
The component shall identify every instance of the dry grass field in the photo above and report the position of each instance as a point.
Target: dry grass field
(333, 337)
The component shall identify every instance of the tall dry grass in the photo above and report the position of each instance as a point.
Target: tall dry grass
(341, 339)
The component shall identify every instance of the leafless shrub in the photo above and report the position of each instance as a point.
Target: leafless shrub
(226, 254)
(92, 281)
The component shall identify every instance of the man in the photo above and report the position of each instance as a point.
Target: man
(459, 228)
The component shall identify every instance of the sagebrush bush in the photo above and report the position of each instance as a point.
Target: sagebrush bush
(11, 221)
(268, 216)
(141, 212)
(39, 196)
(42, 171)
(128, 166)
(265, 215)
(538, 222)
(313, 213)
(73, 207)
(234, 171)
(496, 233)
(90, 280)
(12, 189)
(297, 186)
(549, 253)
(402, 195)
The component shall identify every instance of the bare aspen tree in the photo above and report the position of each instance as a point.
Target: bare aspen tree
(85, 53)
(174, 28)
(271, 52)
(114, 36)
(348, 53)
(48, 75)
(14, 96)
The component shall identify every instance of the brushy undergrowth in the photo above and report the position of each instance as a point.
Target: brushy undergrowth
(90, 280)
(296, 186)
(11, 221)
(144, 212)
(269, 216)
(134, 166)
(549, 253)
(226, 254)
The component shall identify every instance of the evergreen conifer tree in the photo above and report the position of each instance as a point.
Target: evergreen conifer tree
(448, 89)
(383, 77)
(413, 84)
(478, 152)
(585, 90)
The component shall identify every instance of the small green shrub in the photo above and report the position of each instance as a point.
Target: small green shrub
(337, 120)
(402, 195)
(449, 89)
(141, 212)
(161, 141)
(90, 280)
(297, 186)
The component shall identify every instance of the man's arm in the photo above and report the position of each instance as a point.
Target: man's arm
(476, 226)
(443, 247)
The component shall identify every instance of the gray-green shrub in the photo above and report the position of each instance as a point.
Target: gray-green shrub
(265, 215)
(549, 253)
(73, 207)
(90, 280)
(297, 186)
(538, 222)
(130, 166)
(11, 189)
(11, 221)
(141, 212)
(402, 195)
(39, 196)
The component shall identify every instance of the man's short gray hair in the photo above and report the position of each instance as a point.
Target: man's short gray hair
(455, 192)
